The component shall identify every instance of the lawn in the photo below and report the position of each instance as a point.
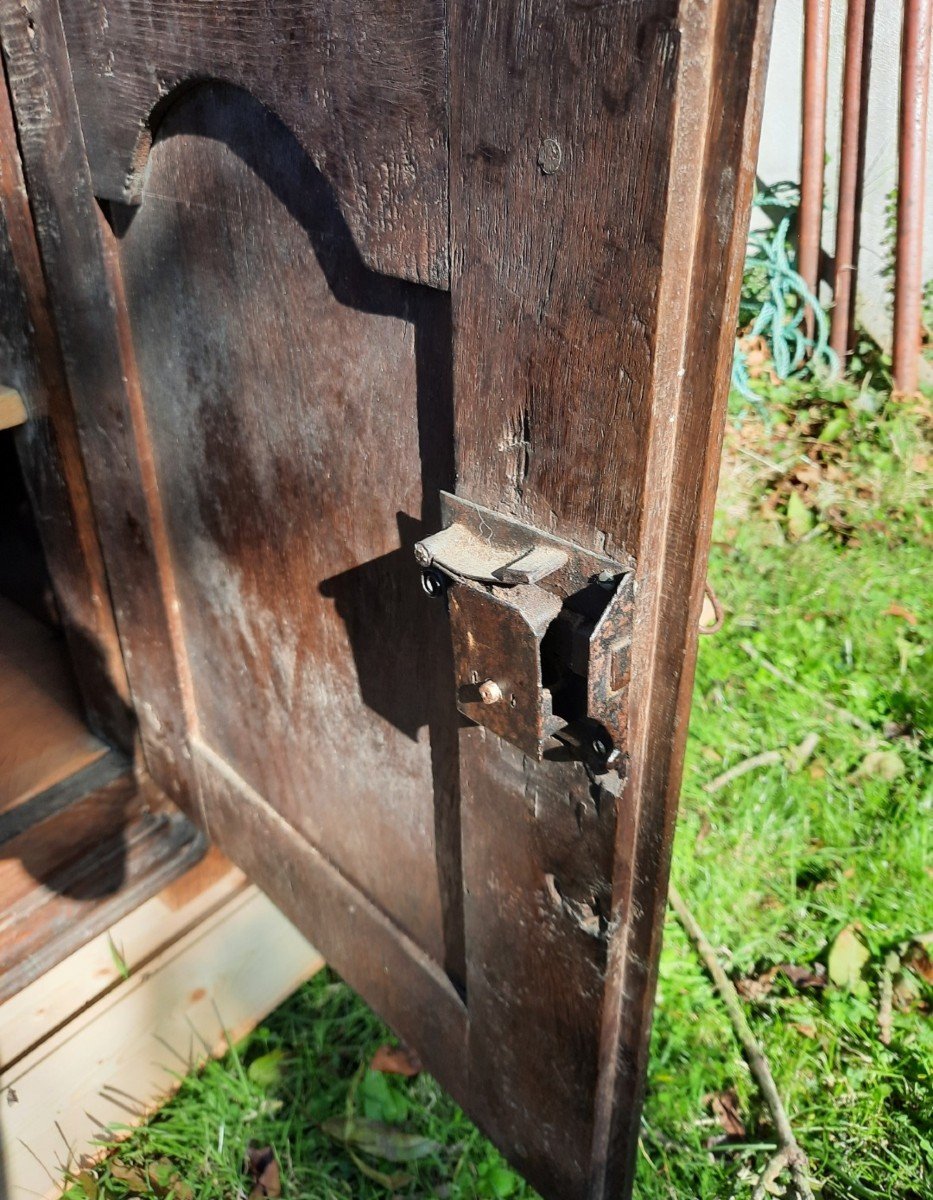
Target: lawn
(809, 872)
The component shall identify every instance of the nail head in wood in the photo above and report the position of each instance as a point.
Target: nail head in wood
(550, 156)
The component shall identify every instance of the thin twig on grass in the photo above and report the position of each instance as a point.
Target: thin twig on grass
(767, 758)
(795, 757)
(886, 1007)
(769, 666)
(790, 1154)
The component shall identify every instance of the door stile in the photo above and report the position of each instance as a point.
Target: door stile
(48, 446)
(97, 353)
(601, 164)
(723, 73)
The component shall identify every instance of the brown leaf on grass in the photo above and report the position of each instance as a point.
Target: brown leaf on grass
(262, 1167)
(897, 610)
(807, 473)
(847, 958)
(725, 1108)
(805, 1028)
(805, 977)
(886, 765)
(918, 958)
(756, 987)
(166, 1182)
(907, 994)
(132, 1176)
(396, 1060)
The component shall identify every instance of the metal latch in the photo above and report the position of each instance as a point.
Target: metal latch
(541, 633)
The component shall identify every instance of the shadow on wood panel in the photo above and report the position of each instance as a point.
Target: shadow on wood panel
(379, 601)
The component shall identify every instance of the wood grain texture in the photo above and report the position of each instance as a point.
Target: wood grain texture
(30, 358)
(117, 1059)
(43, 736)
(714, 150)
(556, 274)
(267, 427)
(80, 867)
(284, 417)
(97, 353)
(361, 86)
(404, 985)
(298, 414)
(600, 170)
(537, 863)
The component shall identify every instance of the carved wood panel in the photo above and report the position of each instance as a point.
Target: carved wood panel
(361, 87)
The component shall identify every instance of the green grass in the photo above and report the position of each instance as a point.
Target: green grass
(832, 590)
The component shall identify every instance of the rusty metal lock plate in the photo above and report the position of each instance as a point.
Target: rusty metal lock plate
(541, 631)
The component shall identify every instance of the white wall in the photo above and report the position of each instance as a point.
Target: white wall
(779, 157)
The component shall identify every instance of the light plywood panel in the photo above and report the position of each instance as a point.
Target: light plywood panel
(51, 1001)
(118, 1059)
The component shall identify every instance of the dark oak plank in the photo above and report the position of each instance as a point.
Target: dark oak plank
(600, 172)
(403, 984)
(725, 66)
(83, 864)
(297, 413)
(30, 360)
(361, 86)
(267, 427)
(97, 352)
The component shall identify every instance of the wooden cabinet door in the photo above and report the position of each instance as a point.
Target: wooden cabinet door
(333, 278)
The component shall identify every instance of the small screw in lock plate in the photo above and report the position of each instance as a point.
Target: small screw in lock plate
(433, 582)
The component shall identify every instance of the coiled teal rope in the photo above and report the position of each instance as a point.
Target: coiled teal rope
(774, 303)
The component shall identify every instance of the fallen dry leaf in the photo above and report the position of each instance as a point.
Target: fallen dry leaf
(756, 987)
(131, 1176)
(803, 1027)
(897, 610)
(886, 765)
(725, 1108)
(396, 1060)
(263, 1169)
(378, 1139)
(805, 977)
(918, 957)
(907, 993)
(847, 958)
(165, 1181)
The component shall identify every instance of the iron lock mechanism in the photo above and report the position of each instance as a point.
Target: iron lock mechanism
(541, 632)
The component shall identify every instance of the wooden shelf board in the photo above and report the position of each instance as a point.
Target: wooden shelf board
(43, 737)
(115, 1057)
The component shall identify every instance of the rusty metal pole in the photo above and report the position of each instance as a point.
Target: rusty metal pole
(813, 147)
(855, 78)
(908, 277)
